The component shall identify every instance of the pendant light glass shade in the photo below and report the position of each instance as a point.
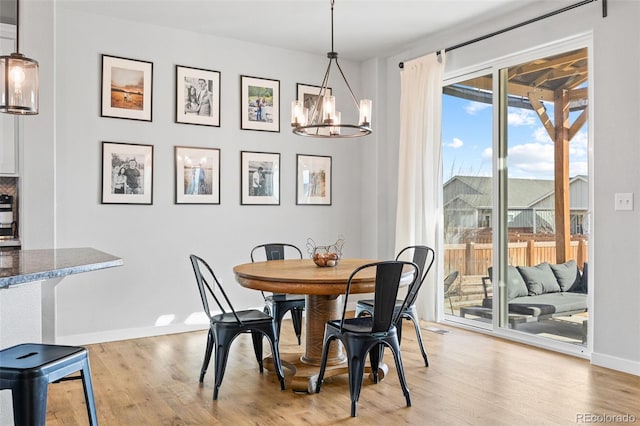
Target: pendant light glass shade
(19, 85)
(19, 80)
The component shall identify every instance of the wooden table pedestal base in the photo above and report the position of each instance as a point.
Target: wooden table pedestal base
(305, 376)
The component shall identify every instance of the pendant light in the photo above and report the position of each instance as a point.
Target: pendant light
(326, 122)
(18, 79)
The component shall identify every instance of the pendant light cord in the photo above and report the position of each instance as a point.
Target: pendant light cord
(17, 26)
(332, 3)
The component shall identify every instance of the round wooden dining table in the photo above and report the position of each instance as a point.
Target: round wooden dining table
(322, 287)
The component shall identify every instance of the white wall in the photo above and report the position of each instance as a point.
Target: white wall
(61, 166)
(155, 240)
(614, 317)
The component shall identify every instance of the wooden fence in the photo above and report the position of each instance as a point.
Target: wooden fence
(475, 258)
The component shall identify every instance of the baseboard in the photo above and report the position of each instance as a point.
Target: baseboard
(615, 363)
(127, 333)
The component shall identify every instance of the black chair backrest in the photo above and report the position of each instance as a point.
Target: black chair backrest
(208, 291)
(420, 256)
(275, 251)
(450, 279)
(388, 278)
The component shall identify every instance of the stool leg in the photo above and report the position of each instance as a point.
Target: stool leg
(30, 401)
(88, 393)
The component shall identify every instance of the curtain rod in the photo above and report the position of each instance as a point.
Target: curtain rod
(522, 24)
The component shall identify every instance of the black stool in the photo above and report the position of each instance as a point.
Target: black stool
(28, 369)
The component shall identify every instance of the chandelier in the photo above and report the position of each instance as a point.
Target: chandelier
(18, 79)
(323, 121)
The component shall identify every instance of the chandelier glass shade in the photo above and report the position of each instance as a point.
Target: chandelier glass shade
(18, 80)
(323, 121)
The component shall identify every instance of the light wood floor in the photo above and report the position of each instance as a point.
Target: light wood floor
(473, 379)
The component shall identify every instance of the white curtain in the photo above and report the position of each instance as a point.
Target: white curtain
(419, 210)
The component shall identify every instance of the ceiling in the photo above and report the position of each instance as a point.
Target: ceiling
(362, 29)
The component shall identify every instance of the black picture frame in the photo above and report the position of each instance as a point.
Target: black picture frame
(197, 96)
(259, 178)
(127, 88)
(127, 173)
(313, 180)
(259, 104)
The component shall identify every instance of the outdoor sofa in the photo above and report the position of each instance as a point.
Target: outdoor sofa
(543, 291)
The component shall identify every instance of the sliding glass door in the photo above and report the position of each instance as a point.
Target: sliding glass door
(516, 207)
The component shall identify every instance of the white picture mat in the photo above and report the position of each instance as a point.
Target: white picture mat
(270, 160)
(210, 159)
(144, 152)
(307, 167)
(108, 63)
(183, 73)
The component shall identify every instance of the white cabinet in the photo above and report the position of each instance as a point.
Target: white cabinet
(8, 122)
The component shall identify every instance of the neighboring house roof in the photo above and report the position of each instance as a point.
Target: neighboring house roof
(475, 191)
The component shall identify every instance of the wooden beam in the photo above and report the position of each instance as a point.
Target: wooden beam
(539, 65)
(561, 171)
(575, 127)
(543, 116)
(556, 74)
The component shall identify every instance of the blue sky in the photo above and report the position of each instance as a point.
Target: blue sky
(467, 139)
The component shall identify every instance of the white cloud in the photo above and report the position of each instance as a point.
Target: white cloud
(487, 153)
(473, 108)
(541, 135)
(521, 117)
(532, 160)
(456, 143)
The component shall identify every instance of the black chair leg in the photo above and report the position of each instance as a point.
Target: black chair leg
(296, 318)
(356, 371)
(323, 363)
(207, 355)
(30, 402)
(395, 348)
(222, 342)
(87, 386)
(375, 358)
(256, 336)
(275, 353)
(416, 324)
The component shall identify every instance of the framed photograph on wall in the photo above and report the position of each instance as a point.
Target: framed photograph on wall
(127, 86)
(259, 104)
(197, 175)
(313, 184)
(259, 178)
(127, 173)
(197, 96)
(309, 96)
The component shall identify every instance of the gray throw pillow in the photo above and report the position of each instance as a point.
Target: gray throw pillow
(516, 287)
(539, 279)
(568, 275)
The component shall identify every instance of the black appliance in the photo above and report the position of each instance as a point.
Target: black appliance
(7, 224)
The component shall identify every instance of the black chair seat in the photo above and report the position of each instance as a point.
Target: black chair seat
(251, 315)
(362, 325)
(27, 370)
(279, 297)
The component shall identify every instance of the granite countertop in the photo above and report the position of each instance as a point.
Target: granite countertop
(22, 266)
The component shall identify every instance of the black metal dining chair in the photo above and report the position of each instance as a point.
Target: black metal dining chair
(278, 304)
(369, 334)
(225, 326)
(421, 256)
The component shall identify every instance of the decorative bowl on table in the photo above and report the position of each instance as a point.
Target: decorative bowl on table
(324, 256)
